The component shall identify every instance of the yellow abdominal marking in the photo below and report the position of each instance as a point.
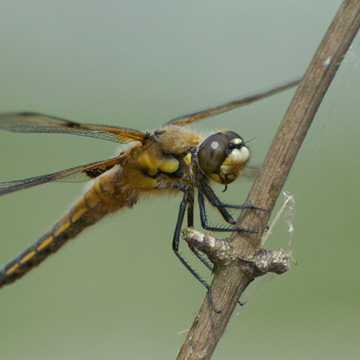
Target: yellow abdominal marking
(27, 257)
(91, 199)
(12, 269)
(45, 243)
(98, 189)
(77, 215)
(61, 229)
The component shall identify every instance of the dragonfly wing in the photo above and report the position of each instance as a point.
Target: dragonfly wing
(191, 118)
(249, 172)
(28, 122)
(76, 174)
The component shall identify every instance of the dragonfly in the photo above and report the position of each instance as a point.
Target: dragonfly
(170, 159)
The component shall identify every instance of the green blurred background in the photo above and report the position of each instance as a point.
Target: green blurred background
(118, 291)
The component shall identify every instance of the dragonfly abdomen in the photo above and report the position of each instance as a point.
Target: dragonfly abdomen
(94, 205)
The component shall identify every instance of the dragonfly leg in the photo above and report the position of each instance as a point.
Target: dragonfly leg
(190, 223)
(216, 202)
(175, 246)
(204, 221)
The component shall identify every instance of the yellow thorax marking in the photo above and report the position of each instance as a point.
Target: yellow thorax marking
(187, 159)
(153, 163)
(169, 165)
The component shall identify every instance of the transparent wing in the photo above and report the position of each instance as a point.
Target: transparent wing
(76, 174)
(191, 118)
(28, 122)
(249, 172)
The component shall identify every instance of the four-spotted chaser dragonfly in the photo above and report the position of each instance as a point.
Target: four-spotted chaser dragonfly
(169, 159)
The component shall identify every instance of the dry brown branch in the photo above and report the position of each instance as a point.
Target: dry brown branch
(229, 282)
(221, 251)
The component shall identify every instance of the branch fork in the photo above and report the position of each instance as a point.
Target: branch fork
(221, 253)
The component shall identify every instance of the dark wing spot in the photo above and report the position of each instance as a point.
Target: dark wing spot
(72, 124)
(95, 172)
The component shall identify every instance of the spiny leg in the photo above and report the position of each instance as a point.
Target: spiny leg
(216, 202)
(204, 222)
(175, 246)
(190, 223)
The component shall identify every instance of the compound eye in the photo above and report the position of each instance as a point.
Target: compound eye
(234, 140)
(212, 152)
(222, 156)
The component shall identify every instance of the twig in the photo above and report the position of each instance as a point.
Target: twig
(220, 251)
(229, 282)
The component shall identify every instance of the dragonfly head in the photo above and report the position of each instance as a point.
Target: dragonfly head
(222, 156)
